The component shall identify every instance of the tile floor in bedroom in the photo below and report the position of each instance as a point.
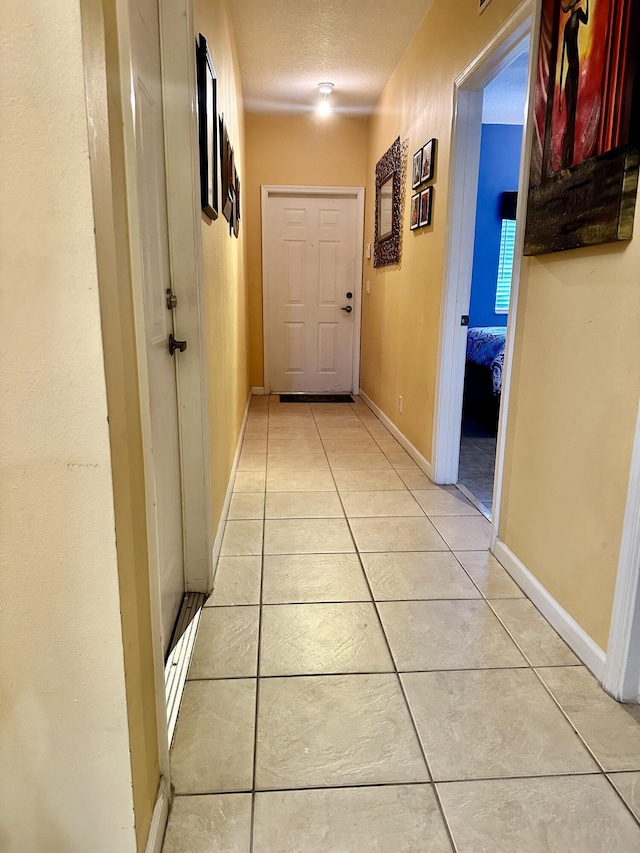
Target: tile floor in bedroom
(367, 677)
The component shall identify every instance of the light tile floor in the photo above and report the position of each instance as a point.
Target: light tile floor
(368, 679)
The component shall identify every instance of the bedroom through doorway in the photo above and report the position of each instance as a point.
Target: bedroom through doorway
(503, 108)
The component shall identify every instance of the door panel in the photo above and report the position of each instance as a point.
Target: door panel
(311, 265)
(153, 227)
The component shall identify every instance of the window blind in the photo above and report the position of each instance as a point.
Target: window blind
(505, 266)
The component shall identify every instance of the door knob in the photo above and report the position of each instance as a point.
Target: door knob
(347, 308)
(349, 294)
(176, 345)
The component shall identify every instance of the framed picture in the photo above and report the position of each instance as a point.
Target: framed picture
(417, 169)
(207, 116)
(226, 174)
(236, 205)
(415, 211)
(482, 5)
(428, 161)
(584, 157)
(426, 205)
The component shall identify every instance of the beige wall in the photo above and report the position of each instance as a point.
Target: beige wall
(401, 315)
(64, 740)
(572, 422)
(226, 301)
(294, 151)
(573, 411)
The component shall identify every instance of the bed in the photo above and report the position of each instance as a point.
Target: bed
(483, 374)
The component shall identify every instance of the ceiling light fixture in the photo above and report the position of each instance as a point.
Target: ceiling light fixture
(324, 107)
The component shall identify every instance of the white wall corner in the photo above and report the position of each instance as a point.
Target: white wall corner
(573, 634)
(413, 452)
(217, 544)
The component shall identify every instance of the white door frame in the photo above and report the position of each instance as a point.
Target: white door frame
(463, 188)
(356, 193)
(185, 252)
(622, 666)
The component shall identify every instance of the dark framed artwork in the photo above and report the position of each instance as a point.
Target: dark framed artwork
(417, 169)
(428, 161)
(584, 160)
(414, 218)
(207, 116)
(226, 174)
(426, 206)
(236, 204)
(390, 170)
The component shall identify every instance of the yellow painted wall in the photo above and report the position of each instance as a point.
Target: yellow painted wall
(294, 150)
(64, 738)
(226, 301)
(571, 425)
(401, 315)
(573, 410)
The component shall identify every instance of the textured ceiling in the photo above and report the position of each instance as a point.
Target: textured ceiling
(286, 47)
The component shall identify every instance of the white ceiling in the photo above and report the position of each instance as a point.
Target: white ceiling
(286, 47)
(504, 97)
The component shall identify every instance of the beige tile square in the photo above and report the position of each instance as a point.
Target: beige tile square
(439, 502)
(298, 462)
(463, 533)
(300, 481)
(398, 818)
(416, 479)
(316, 731)
(573, 813)
(254, 445)
(246, 505)
(401, 459)
(359, 462)
(488, 575)
(396, 534)
(226, 643)
(252, 462)
(488, 723)
(313, 577)
(242, 538)
(317, 639)
(371, 504)
(249, 481)
(292, 433)
(401, 575)
(307, 536)
(213, 744)
(358, 444)
(388, 445)
(201, 824)
(611, 730)
(346, 433)
(628, 786)
(304, 505)
(428, 635)
(532, 632)
(236, 581)
(368, 481)
(311, 444)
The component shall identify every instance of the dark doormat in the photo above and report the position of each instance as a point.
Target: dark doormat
(316, 398)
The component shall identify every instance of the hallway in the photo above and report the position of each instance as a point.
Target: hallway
(391, 650)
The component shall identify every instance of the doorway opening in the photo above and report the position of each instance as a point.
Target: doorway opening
(503, 108)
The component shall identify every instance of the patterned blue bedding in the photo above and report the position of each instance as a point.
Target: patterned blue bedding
(485, 346)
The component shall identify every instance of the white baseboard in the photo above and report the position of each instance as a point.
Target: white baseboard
(413, 452)
(217, 544)
(576, 637)
(257, 392)
(158, 819)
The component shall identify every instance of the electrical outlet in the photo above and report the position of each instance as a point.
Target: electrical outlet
(367, 287)
(400, 404)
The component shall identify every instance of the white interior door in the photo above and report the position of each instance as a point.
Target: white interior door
(310, 279)
(154, 246)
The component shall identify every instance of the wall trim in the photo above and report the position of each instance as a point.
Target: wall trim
(573, 634)
(257, 392)
(357, 193)
(413, 452)
(217, 542)
(159, 818)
